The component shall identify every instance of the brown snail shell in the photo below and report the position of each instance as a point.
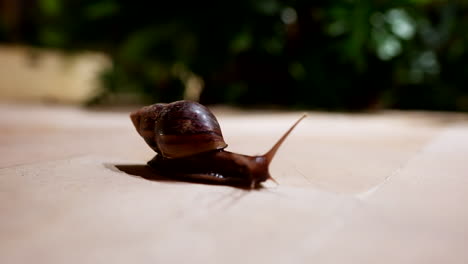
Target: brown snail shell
(179, 129)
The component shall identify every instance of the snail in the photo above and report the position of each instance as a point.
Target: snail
(189, 144)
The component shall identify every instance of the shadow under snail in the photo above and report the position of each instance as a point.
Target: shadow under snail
(189, 145)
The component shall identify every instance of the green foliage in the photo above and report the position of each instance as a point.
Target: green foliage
(342, 55)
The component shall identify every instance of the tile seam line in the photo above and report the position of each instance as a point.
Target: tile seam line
(417, 154)
(73, 156)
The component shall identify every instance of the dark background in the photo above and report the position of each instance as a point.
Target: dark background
(329, 55)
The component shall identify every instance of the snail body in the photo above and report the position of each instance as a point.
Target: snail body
(189, 144)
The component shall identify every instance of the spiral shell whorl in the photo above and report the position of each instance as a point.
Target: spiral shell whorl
(145, 121)
(179, 129)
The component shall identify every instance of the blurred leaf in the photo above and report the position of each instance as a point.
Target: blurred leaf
(100, 9)
(267, 7)
(52, 37)
(241, 42)
(50, 7)
(297, 71)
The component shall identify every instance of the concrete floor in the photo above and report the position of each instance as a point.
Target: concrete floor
(388, 187)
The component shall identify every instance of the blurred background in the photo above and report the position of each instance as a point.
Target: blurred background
(342, 55)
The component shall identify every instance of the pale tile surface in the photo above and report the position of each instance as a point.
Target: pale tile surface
(368, 188)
